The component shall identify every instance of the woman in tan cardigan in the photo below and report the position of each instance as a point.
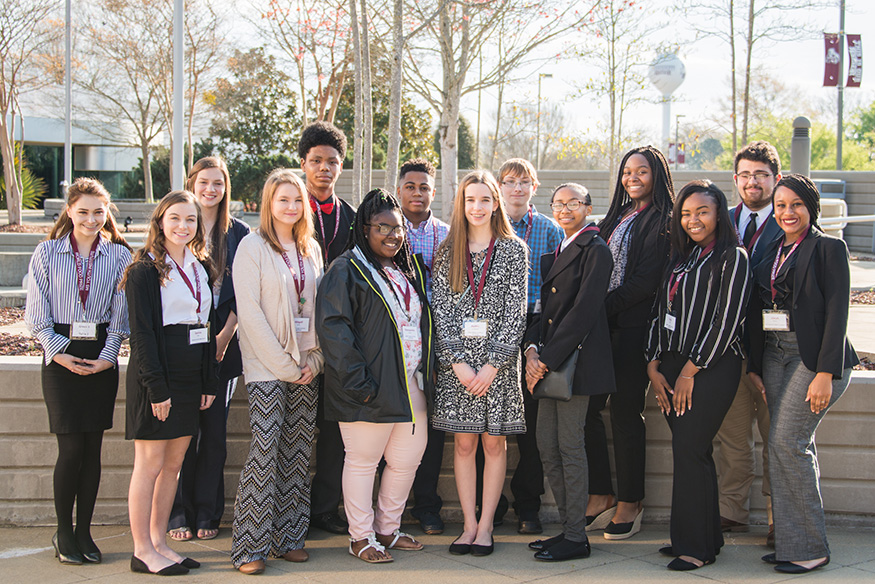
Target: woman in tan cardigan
(277, 270)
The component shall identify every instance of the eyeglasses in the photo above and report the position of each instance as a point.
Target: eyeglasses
(572, 205)
(396, 230)
(512, 184)
(760, 176)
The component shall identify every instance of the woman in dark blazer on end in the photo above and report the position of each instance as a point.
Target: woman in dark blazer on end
(802, 360)
(572, 319)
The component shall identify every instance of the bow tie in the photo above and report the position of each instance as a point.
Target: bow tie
(326, 208)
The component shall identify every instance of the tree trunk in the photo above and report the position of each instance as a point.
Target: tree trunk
(367, 104)
(734, 90)
(147, 171)
(357, 138)
(393, 150)
(750, 17)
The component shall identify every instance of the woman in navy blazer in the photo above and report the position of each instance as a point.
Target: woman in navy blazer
(573, 319)
(801, 359)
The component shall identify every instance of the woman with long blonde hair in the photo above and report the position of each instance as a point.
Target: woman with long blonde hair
(200, 499)
(75, 310)
(479, 301)
(277, 270)
(172, 373)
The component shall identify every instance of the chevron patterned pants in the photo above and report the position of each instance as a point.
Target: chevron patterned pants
(272, 509)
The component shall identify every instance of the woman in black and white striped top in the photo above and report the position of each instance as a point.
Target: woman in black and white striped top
(695, 348)
(80, 317)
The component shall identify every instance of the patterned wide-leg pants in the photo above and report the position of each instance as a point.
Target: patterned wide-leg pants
(272, 509)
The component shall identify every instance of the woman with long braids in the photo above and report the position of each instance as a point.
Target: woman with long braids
(479, 294)
(76, 311)
(694, 353)
(802, 360)
(200, 499)
(375, 329)
(636, 230)
(172, 373)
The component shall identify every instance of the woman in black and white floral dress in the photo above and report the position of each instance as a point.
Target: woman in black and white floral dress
(479, 302)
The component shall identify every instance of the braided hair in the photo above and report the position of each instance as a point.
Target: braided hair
(663, 189)
(374, 203)
(805, 188)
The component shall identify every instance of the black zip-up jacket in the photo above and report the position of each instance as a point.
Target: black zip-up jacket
(365, 375)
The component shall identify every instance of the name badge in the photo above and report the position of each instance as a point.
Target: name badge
(199, 335)
(409, 333)
(302, 324)
(474, 328)
(537, 306)
(670, 321)
(83, 331)
(776, 320)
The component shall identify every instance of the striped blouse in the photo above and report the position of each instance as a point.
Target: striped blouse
(709, 313)
(53, 294)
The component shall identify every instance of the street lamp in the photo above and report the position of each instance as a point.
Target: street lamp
(538, 134)
(677, 146)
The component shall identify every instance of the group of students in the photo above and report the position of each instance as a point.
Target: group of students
(384, 327)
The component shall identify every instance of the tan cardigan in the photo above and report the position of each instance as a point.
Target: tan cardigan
(265, 316)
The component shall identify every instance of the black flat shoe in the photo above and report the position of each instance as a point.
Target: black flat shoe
(791, 568)
(542, 544)
(460, 549)
(330, 522)
(482, 550)
(140, 567)
(564, 550)
(190, 564)
(72, 559)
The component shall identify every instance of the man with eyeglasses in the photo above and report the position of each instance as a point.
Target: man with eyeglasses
(425, 232)
(519, 181)
(757, 171)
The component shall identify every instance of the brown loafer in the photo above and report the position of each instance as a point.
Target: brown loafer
(252, 568)
(297, 556)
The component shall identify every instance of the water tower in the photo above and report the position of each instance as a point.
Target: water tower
(667, 73)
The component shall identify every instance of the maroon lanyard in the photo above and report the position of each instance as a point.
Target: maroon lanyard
(590, 227)
(628, 217)
(680, 276)
(322, 224)
(478, 291)
(84, 284)
(405, 293)
(756, 235)
(194, 294)
(299, 284)
(776, 265)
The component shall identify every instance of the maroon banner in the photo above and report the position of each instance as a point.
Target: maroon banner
(855, 58)
(831, 67)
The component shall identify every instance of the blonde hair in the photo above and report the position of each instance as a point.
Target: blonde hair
(219, 235)
(455, 247)
(156, 238)
(89, 187)
(302, 231)
(518, 167)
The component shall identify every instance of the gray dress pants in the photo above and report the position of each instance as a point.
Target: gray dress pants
(800, 531)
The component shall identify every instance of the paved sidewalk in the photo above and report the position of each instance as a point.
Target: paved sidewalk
(26, 556)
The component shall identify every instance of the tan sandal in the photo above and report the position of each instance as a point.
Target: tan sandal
(180, 534)
(398, 540)
(372, 544)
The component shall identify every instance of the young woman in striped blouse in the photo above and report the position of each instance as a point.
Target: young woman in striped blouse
(695, 350)
(75, 309)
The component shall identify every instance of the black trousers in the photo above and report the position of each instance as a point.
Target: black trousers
(326, 489)
(695, 509)
(425, 495)
(627, 421)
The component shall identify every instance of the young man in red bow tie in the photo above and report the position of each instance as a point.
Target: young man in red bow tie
(321, 149)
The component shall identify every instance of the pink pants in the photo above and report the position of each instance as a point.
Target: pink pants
(365, 444)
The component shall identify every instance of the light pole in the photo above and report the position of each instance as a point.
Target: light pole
(677, 146)
(538, 131)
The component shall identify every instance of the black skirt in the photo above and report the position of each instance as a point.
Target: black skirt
(185, 377)
(80, 403)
